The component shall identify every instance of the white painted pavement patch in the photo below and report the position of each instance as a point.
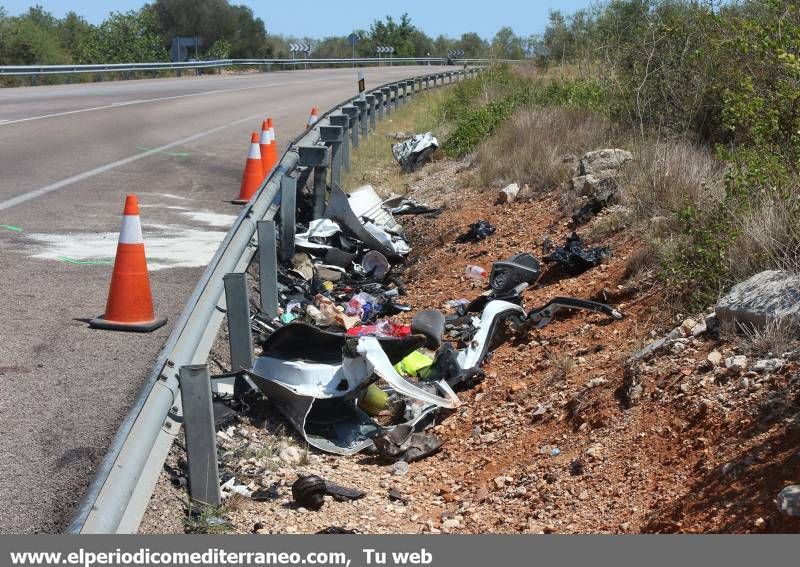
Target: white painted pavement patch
(211, 219)
(168, 247)
(206, 217)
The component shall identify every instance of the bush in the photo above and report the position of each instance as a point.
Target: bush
(479, 105)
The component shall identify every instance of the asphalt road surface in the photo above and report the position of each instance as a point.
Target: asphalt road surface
(68, 156)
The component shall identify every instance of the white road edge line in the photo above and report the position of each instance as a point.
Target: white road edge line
(174, 97)
(19, 199)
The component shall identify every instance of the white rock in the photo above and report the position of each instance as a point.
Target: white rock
(451, 524)
(290, 455)
(595, 452)
(715, 357)
(768, 365)
(595, 382)
(766, 296)
(508, 194)
(736, 364)
(699, 329)
(400, 468)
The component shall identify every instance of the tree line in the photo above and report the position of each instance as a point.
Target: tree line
(224, 31)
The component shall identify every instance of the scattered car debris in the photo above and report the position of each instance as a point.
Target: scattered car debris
(479, 230)
(309, 492)
(336, 530)
(404, 444)
(508, 274)
(415, 152)
(399, 205)
(572, 258)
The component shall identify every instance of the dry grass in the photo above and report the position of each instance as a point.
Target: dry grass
(530, 148)
(667, 175)
(640, 261)
(768, 237)
(774, 339)
(561, 365)
(372, 162)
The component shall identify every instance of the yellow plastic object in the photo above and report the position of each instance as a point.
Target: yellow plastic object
(415, 364)
(374, 400)
(327, 285)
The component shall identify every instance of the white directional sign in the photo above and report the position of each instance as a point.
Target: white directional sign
(455, 53)
(299, 47)
(384, 49)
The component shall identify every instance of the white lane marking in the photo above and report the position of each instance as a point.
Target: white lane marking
(2, 121)
(114, 164)
(127, 102)
(174, 97)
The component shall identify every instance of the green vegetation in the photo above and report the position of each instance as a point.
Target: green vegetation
(705, 95)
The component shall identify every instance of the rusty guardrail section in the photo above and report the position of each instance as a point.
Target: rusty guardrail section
(116, 500)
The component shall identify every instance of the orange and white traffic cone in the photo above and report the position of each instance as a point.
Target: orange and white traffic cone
(130, 303)
(273, 145)
(266, 147)
(313, 117)
(253, 172)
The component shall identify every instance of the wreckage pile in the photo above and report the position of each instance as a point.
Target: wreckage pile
(342, 370)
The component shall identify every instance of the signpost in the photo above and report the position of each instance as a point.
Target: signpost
(300, 48)
(385, 49)
(353, 39)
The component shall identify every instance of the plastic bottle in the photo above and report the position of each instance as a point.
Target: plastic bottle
(476, 272)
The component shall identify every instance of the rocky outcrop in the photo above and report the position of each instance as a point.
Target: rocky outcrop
(771, 295)
(595, 181)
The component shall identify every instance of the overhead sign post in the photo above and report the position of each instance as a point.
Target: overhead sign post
(353, 39)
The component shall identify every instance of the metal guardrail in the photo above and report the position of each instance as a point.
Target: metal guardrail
(34, 70)
(116, 500)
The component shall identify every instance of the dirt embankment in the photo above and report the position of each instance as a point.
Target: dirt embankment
(545, 443)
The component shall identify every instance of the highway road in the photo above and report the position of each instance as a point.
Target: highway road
(68, 155)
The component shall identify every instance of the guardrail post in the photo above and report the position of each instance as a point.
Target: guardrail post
(395, 94)
(371, 110)
(352, 113)
(380, 112)
(343, 121)
(401, 97)
(240, 341)
(409, 91)
(386, 108)
(287, 212)
(362, 116)
(268, 268)
(332, 136)
(201, 437)
(316, 157)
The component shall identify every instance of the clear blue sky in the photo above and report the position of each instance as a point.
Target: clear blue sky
(323, 18)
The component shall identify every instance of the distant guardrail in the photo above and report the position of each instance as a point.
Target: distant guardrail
(35, 70)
